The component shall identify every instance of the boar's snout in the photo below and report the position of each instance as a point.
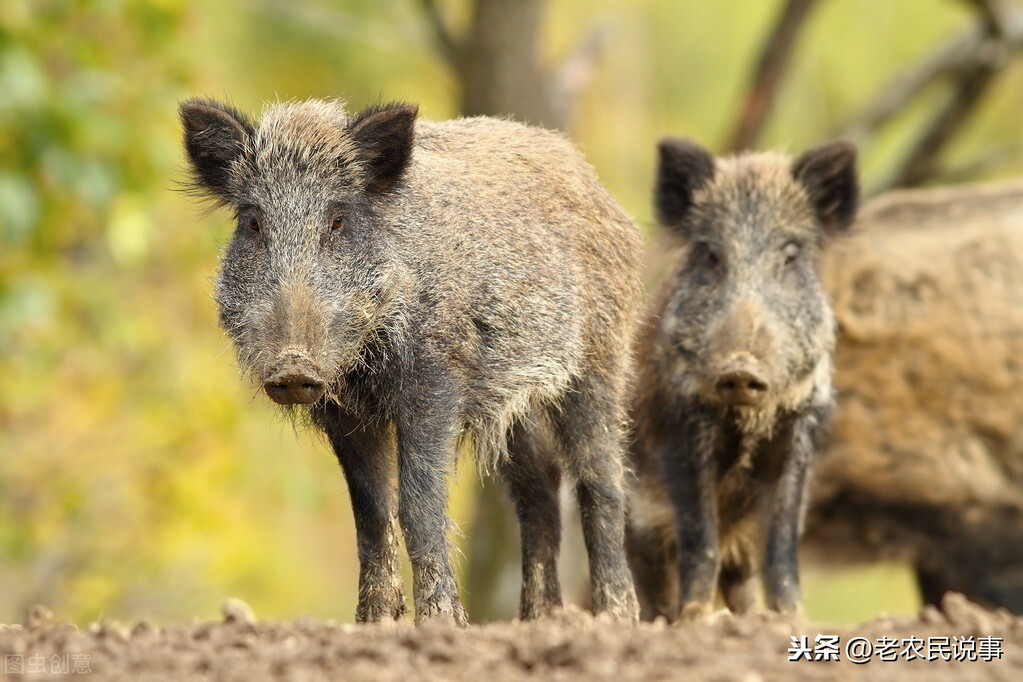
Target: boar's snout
(741, 387)
(295, 381)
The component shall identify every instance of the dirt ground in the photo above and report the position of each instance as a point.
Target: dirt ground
(570, 646)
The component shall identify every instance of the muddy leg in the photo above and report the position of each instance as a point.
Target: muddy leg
(533, 478)
(781, 566)
(589, 428)
(365, 455)
(689, 478)
(654, 564)
(426, 449)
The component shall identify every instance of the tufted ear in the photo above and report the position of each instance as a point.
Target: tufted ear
(384, 136)
(828, 173)
(683, 168)
(215, 135)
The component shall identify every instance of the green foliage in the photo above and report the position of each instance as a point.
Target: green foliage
(139, 475)
(121, 427)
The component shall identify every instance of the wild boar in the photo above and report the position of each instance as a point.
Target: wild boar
(925, 461)
(421, 285)
(734, 388)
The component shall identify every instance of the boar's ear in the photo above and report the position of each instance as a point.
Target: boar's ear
(828, 173)
(384, 136)
(215, 135)
(683, 168)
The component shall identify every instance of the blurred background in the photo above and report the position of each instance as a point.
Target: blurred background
(142, 477)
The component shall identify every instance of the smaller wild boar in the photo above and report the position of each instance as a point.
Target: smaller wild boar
(417, 285)
(735, 365)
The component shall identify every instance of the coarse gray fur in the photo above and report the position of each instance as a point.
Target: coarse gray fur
(734, 390)
(420, 285)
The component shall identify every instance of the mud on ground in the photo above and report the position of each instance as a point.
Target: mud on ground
(570, 646)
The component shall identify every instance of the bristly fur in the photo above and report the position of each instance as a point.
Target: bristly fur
(385, 134)
(685, 167)
(460, 282)
(214, 133)
(828, 173)
(719, 489)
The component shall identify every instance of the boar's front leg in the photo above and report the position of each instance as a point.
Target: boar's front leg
(364, 451)
(427, 430)
(689, 477)
(781, 564)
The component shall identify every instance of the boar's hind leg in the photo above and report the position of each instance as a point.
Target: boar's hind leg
(737, 585)
(426, 447)
(365, 457)
(654, 564)
(589, 427)
(533, 477)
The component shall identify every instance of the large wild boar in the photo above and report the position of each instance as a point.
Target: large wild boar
(418, 285)
(925, 463)
(734, 388)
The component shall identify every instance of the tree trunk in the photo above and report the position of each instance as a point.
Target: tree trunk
(501, 71)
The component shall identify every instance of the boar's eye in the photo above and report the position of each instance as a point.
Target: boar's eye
(710, 255)
(706, 257)
(791, 252)
(253, 224)
(337, 223)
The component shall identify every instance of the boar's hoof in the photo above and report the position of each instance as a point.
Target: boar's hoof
(290, 387)
(616, 601)
(741, 387)
(440, 610)
(381, 610)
